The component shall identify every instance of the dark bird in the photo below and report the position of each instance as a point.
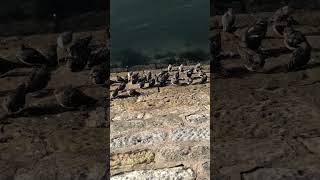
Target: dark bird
(203, 79)
(133, 92)
(99, 56)
(293, 38)
(280, 19)
(228, 20)
(149, 75)
(15, 101)
(177, 75)
(254, 35)
(98, 74)
(122, 86)
(251, 60)
(189, 73)
(79, 54)
(300, 57)
(189, 81)
(135, 78)
(115, 93)
(121, 79)
(38, 80)
(152, 82)
(70, 97)
(30, 56)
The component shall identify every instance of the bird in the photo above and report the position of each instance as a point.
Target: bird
(101, 55)
(141, 84)
(174, 81)
(252, 61)
(181, 68)
(169, 67)
(115, 93)
(151, 82)
(228, 20)
(64, 39)
(120, 79)
(177, 75)
(134, 78)
(280, 19)
(300, 57)
(203, 79)
(149, 75)
(122, 86)
(189, 81)
(130, 73)
(70, 97)
(189, 73)
(133, 92)
(38, 80)
(253, 36)
(98, 74)
(30, 56)
(15, 101)
(293, 38)
(197, 67)
(79, 53)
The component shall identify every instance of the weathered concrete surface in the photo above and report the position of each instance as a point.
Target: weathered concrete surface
(155, 132)
(266, 126)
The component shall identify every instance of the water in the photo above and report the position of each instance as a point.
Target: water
(159, 26)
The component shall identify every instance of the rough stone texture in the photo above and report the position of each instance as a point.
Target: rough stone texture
(172, 124)
(131, 159)
(159, 174)
(191, 134)
(266, 125)
(145, 138)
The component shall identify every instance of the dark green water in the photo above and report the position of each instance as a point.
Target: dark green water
(159, 26)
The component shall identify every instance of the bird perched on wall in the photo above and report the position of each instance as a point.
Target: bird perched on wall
(169, 67)
(15, 101)
(253, 36)
(251, 60)
(228, 20)
(300, 57)
(181, 68)
(30, 56)
(79, 54)
(280, 19)
(293, 38)
(38, 80)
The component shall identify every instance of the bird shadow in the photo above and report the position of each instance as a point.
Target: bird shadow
(275, 52)
(48, 109)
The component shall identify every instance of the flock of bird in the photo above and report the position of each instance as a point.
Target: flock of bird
(249, 47)
(172, 75)
(79, 54)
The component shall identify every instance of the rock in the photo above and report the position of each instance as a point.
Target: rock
(143, 138)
